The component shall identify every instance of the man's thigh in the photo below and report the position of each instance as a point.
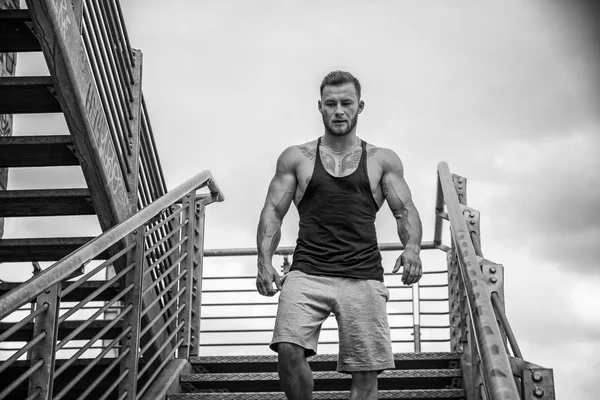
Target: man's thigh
(305, 302)
(365, 342)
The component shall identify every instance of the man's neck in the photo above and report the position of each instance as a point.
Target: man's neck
(340, 143)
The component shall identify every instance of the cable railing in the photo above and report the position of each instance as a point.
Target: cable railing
(237, 320)
(157, 321)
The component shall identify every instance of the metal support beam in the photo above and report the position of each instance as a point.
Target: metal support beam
(497, 374)
(131, 341)
(56, 28)
(46, 324)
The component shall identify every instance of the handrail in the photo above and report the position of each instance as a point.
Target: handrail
(496, 371)
(63, 268)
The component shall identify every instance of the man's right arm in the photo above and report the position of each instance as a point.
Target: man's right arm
(279, 198)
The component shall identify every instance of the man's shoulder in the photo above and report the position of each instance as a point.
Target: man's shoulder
(304, 150)
(380, 153)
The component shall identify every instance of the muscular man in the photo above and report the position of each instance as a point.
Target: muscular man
(338, 183)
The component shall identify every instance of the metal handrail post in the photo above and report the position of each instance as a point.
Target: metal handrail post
(197, 263)
(185, 317)
(45, 324)
(416, 295)
(497, 373)
(133, 298)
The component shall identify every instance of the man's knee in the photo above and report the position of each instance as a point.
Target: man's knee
(364, 378)
(290, 353)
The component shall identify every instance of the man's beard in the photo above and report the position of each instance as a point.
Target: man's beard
(346, 131)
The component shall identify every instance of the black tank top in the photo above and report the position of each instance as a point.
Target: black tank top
(337, 225)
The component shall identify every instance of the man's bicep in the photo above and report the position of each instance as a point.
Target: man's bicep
(394, 186)
(396, 192)
(281, 189)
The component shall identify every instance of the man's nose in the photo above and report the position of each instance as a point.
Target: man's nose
(339, 110)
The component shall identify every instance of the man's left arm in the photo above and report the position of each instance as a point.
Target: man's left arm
(398, 196)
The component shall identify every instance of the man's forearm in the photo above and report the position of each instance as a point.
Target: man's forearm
(409, 228)
(268, 236)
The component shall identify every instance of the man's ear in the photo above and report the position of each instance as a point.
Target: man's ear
(319, 106)
(361, 106)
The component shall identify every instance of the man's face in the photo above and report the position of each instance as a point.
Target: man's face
(339, 106)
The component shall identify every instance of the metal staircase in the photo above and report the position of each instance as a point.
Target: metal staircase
(132, 314)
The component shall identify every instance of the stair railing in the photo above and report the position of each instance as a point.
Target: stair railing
(479, 326)
(235, 315)
(158, 286)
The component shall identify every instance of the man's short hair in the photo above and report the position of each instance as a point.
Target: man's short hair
(339, 78)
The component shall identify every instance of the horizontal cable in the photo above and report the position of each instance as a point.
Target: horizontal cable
(242, 317)
(116, 383)
(23, 322)
(88, 367)
(88, 321)
(435, 313)
(93, 272)
(156, 318)
(161, 330)
(95, 293)
(159, 279)
(158, 370)
(158, 351)
(427, 299)
(104, 373)
(174, 247)
(174, 230)
(236, 304)
(7, 363)
(163, 292)
(90, 342)
(434, 286)
(105, 351)
(21, 378)
(162, 222)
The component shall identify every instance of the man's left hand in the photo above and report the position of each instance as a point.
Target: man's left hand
(412, 272)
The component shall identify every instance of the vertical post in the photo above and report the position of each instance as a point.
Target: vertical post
(185, 317)
(198, 263)
(46, 323)
(463, 329)
(133, 298)
(416, 295)
(456, 292)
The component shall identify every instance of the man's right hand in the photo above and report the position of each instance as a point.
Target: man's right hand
(264, 280)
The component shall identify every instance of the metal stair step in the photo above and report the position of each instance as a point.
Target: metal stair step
(64, 329)
(422, 394)
(320, 362)
(82, 291)
(27, 95)
(323, 380)
(41, 249)
(45, 202)
(15, 35)
(37, 151)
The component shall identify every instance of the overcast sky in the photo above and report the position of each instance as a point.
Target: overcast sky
(505, 92)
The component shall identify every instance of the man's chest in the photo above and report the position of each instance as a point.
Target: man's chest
(338, 166)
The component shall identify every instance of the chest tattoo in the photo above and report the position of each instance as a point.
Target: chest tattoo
(328, 162)
(351, 161)
(307, 152)
(372, 152)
